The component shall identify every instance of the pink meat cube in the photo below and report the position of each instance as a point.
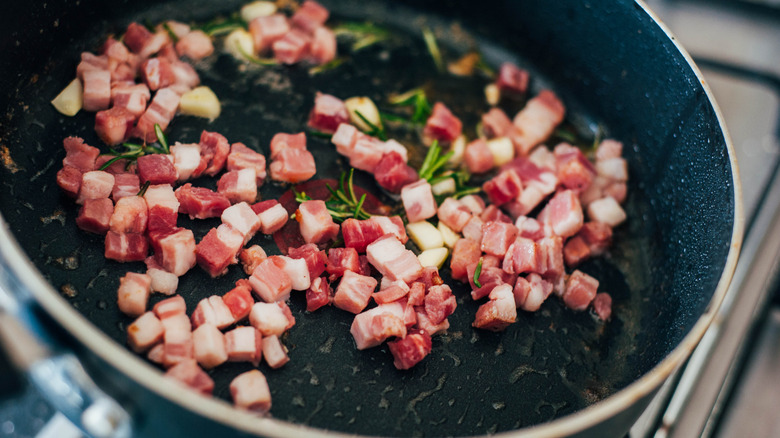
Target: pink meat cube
(125, 184)
(318, 294)
(323, 45)
(113, 125)
(580, 290)
(144, 332)
(160, 112)
(391, 258)
(418, 201)
(293, 166)
(274, 352)
(125, 247)
(214, 311)
(353, 292)
(315, 222)
(498, 313)
(270, 283)
(478, 157)
(358, 234)
(94, 215)
(69, 180)
(156, 169)
(132, 97)
(251, 257)
(392, 172)
(315, 259)
(575, 251)
(495, 123)
(195, 45)
(244, 344)
(200, 202)
(374, 326)
(133, 293)
(239, 300)
(341, 260)
(310, 16)
(410, 350)
(239, 186)
(273, 215)
(282, 141)
(497, 236)
(130, 215)
(186, 160)
(524, 256)
(602, 305)
(537, 121)
(250, 391)
(95, 184)
(191, 375)
(271, 318)
(465, 253)
(97, 89)
(442, 125)
(157, 73)
(218, 249)
(214, 150)
(293, 47)
(512, 79)
(168, 307)
(531, 292)
(328, 113)
(79, 154)
(391, 225)
(242, 157)
(439, 303)
(266, 30)
(503, 188)
(243, 219)
(162, 281)
(175, 250)
(454, 214)
(209, 346)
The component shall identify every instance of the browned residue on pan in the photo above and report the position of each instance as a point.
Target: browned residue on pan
(58, 215)
(8, 162)
(68, 290)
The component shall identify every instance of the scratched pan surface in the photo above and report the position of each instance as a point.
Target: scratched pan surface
(661, 273)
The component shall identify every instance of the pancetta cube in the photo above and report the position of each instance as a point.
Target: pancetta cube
(69, 180)
(341, 260)
(537, 121)
(272, 214)
(503, 188)
(605, 210)
(391, 258)
(454, 214)
(271, 318)
(602, 305)
(168, 307)
(358, 234)
(186, 160)
(200, 202)
(410, 350)
(79, 154)
(439, 303)
(250, 391)
(144, 332)
(239, 300)
(316, 224)
(163, 281)
(244, 344)
(530, 292)
(214, 311)
(209, 346)
(315, 259)
(293, 166)
(164, 105)
(175, 250)
(478, 157)
(130, 215)
(251, 257)
(239, 185)
(274, 352)
(125, 184)
(328, 113)
(497, 236)
(195, 45)
(133, 293)
(218, 249)
(270, 283)
(163, 196)
(95, 215)
(243, 219)
(391, 225)
(242, 157)
(125, 247)
(95, 184)
(374, 326)
(418, 201)
(442, 125)
(214, 150)
(580, 290)
(310, 16)
(296, 269)
(323, 45)
(392, 172)
(465, 253)
(97, 89)
(191, 375)
(113, 125)
(177, 339)
(353, 292)
(498, 313)
(281, 141)
(318, 294)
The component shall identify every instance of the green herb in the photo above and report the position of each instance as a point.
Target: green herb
(392, 117)
(221, 26)
(375, 131)
(433, 48)
(254, 59)
(326, 67)
(416, 98)
(363, 34)
(477, 272)
(320, 134)
(171, 33)
(433, 162)
(161, 138)
(433, 170)
(144, 188)
(134, 150)
(487, 70)
(342, 204)
(566, 135)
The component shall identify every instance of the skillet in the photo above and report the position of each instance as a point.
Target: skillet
(611, 64)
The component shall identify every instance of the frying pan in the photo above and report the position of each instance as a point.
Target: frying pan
(555, 372)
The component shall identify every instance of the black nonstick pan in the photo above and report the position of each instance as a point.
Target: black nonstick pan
(555, 372)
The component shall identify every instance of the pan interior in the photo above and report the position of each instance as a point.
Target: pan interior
(661, 271)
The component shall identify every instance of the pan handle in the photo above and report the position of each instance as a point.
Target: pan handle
(59, 376)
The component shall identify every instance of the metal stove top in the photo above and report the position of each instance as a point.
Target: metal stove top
(728, 387)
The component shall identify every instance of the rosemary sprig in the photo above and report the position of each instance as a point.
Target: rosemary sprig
(255, 59)
(134, 150)
(327, 66)
(343, 203)
(433, 48)
(433, 170)
(363, 34)
(416, 98)
(433, 162)
(477, 272)
(320, 134)
(161, 138)
(144, 188)
(376, 131)
(171, 33)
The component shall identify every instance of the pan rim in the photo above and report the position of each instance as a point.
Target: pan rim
(144, 374)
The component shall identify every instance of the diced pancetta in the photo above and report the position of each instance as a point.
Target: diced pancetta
(602, 305)
(219, 249)
(175, 250)
(191, 375)
(95, 184)
(495, 123)
(531, 291)
(439, 303)
(344, 138)
(358, 234)
(580, 290)
(394, 292)
(250, 391)
(95, 215)
(177, 339)
(133, 293)
(251, 257)
(136, 36)
(113, 125)
(195, 45)
(244, 344)
(296, 269)
(161, 195)
(266, 30)
(69, 180)
(442, 125)
(239, 185)
(156, 169)
(200, 202)
(144, 332)
(454, 214)
(214, 311)
(243, 219)
(131, 97)
(125, 247)
(374, 326)
(130, 215)
(391, 225)
(186, 160)
(318, 294)
(512, 79)
(281, 141)
(503, 188)
(341, 260)
(270, 283)
(573, 169)
(323, 45)
(272, 215)
(242, 157)
(315, 222)
(274, 352)
(209, 346)
(498, 313)
(552, 252)
(160, 112)
(293, 166)
(605, 210)
(293, 47)
(497, 236)
(169, 307)
(157, 73)
(214, 150)
(391, 258)
(163, 281)
(564, 214)
(410, 350)
(478, 157)
(239, 300)
(271, 318)
(315, 259)
(418, 201)
(310, 16)
(79, 154)
(524, 256)
(97, 90)
(392, 173)
(328, 113)
(537, 121)
(125, 184)
(354, 292)
(465, 253)
(473, 229)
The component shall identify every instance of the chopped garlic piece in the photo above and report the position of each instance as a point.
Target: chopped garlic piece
(458, 149)
(443, 187)
(367, 108)
(502, 149)
(433, 257)
(250, 11)
(200, 102)
(424, 235)
(448, 235)
(240, 44)
(70, 100)
(492, 94)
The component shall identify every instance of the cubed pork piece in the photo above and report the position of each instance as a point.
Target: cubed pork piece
(195, 45)
(156, 169)
(564, 214)
(341, 260)
(478, 157)
(439, 303)
(251, 257)
(490, 277)
(157, 73)
(497, 236)
(69, 180)
(156, 354)
(272, 214)
(293, 47)
(209, 346)
(602, 305)
(530, 292)
(242, 157)
(374, 326)
(281, 141)
(160, 112)
(270, 283)
(358, 234)
(244, 344)
(573, 169)
(498, 313)
(323, 45)
(524, 256)
(353, 292)
(274, 352)
(161, 219)
(175, 250)
(271, 318)
(79, 155)
(418, 201)
(391, 258)
(442, 125)
(177, 339)
(537, 121)
(113, 125)
(168, 307)
(214, 311)
(133, 293)
(580, 290)
(97, 89)
(90, 61)
(454, 214)
(392, 172)
(393, 292)
(315, 259)
(605, 210)
(189, 373)
(200, 202)
(243, 219)
(95, 215)
(186, 160)
(214, 150)
(552, 252)
(250, 391)
(136, 36)
(575, 251)
(95, 184)
(239, 186)
(495, 123)
(144, 332)
(296, 269)
(130, 215)
(344, 138)
(465, 253)
(239, 300)
(512, 79)
(125, 184)
(310, 16)
(266, 30)
(318, 294)
(161, 196)
(391, 225)
(219, 249)
(503, 188)
(328, 113)
(293, 166)
(132, 97)
(163, 281)
(125, 247)
(410, 350)
(597, 235)
(316, 224)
